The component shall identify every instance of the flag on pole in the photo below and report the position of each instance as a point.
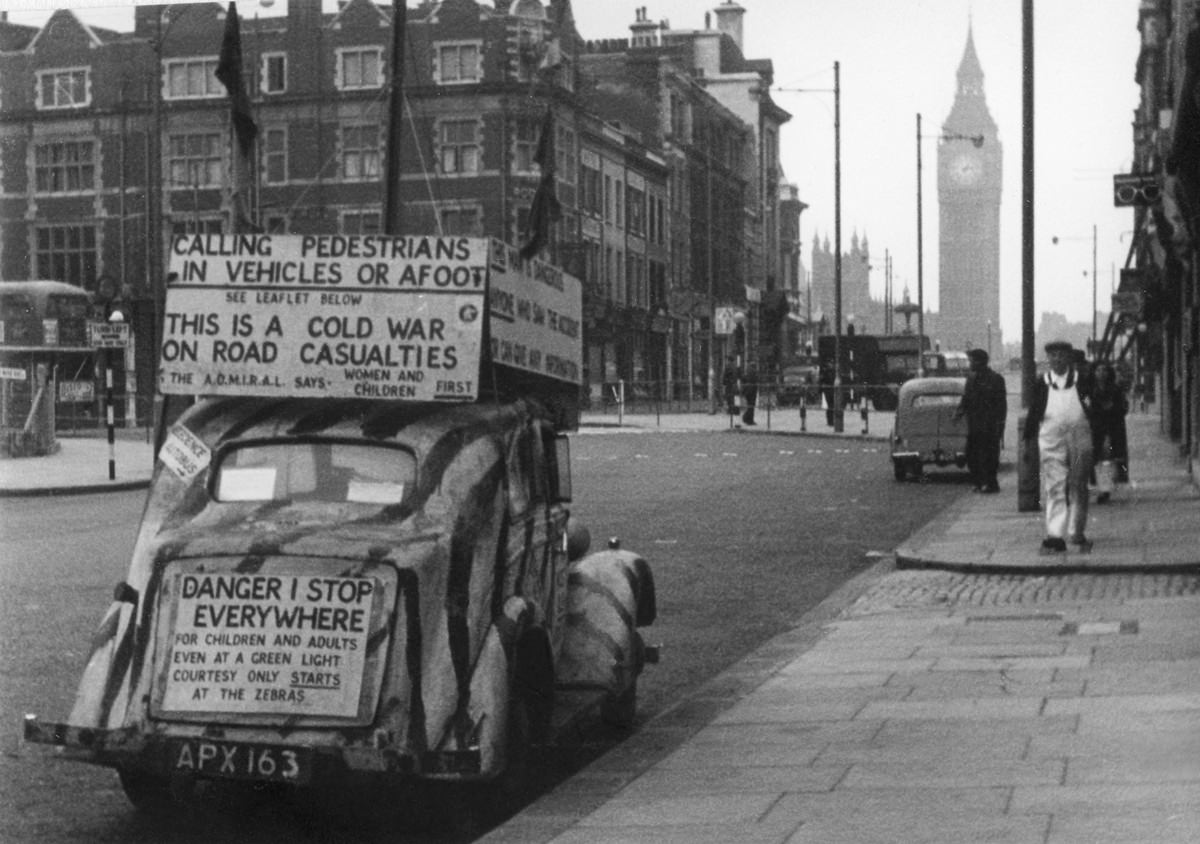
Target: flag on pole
(546, 209)
(229, 73)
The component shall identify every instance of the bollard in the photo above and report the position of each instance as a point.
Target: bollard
(108, 415)
(803, 413)
(863, 412)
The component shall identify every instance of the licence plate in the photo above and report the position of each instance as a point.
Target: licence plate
(240, 761)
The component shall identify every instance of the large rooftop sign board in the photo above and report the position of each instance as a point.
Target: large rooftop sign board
(334, 316)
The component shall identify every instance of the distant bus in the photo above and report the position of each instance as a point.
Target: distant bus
(43, 322)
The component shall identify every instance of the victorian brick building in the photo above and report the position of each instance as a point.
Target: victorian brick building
(666, 155)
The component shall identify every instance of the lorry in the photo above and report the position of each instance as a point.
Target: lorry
(357, 557)
(874, 366)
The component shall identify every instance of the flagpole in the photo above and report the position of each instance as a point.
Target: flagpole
(392, 211)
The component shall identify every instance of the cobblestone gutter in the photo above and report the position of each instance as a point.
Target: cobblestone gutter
(919, 589)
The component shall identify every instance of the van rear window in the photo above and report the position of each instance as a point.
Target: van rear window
(332, 472)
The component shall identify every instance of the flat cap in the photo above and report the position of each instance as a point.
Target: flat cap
(978, 354)
(1059, 346)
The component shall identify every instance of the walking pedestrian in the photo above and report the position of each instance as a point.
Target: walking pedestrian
(749, 393)
(1109, 440)
(826, 377)
(729, 384)
(985, 405)
(1058, 417)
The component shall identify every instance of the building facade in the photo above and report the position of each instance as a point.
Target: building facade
(113, 142)
(1154, 330)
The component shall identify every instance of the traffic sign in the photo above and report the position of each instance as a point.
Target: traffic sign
(1135, 189)
(723, 320)
(108, 335)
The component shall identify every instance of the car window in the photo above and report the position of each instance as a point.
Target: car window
(936, 399)
(314, 471)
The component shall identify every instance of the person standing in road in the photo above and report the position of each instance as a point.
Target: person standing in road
(1109, 441)
(729, 384)
(749, 393)
(985, 405)
(825, 378)
(1058, 417)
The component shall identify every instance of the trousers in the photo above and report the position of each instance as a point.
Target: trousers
(1066, 461)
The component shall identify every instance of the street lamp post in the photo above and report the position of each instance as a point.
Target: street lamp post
(838, 414)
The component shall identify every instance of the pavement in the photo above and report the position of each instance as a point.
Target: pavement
(964, 688)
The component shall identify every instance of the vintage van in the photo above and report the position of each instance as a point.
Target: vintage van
(925, 432)
(325, 586)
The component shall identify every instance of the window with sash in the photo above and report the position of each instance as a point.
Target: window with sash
(275, 156)
(194, 78)
(362, 222)
(64, 166)
(458, 146)
(458, 64)
(195, 160)
(360, 152)
(462, 220)
(274, 73)
(359, 67)
(66, 253)
(525, 145)
(64, 88)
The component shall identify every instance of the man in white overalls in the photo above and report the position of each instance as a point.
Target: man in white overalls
(1058, 418)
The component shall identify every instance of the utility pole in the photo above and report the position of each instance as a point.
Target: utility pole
(838, 415)
(920, 266)
(392, 217)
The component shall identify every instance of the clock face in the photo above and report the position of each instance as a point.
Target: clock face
(966, 170)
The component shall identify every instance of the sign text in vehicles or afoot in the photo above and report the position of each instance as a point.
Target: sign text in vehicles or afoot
(355, 553)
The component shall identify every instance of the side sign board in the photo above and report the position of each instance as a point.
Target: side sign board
(326, 316)
(535, 313)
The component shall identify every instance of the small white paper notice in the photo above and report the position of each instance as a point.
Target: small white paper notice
(184, 453)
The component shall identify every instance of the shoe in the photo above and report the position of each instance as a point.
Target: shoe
(1103, 497)
(991, 488)
(1082, 543)
(1053, 545)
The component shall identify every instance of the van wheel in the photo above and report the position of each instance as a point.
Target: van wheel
(150, 794)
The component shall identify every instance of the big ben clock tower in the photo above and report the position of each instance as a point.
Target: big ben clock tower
(969, 171)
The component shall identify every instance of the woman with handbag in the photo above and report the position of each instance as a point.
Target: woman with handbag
(1109, 442)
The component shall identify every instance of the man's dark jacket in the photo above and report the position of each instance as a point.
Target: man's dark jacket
(985, 401)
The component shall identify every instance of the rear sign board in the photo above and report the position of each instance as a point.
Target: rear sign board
(261, 643)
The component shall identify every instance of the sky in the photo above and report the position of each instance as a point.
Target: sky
(899, 58)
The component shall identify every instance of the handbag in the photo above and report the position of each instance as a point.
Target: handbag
(1106, 472)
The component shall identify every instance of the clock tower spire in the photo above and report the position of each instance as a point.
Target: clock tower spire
(969, 181)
